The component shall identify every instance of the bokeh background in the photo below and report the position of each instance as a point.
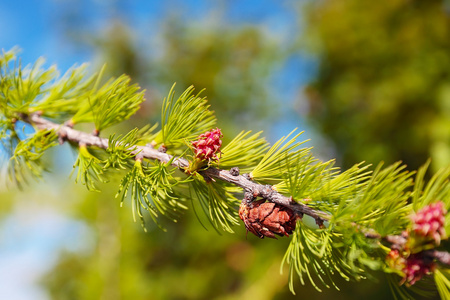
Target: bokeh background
(366, 80)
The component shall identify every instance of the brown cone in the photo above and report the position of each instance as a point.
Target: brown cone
(267, 219)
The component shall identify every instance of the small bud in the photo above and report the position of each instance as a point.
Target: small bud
(234, 171)
(162, 148)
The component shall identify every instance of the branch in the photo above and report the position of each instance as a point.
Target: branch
(66, 133)
(442, 256)
(398, 242)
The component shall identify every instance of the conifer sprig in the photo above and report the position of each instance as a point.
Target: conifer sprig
(22, 87)
(121, 149)
(112, 103)
(218, 204)
(90, 169)
(183, 119)
(244, 151)
(313, 254)
(152, 189)
(364, 220)
(26, 162)
(437, 188)
(117, 101)
(304, 175)
(136, 182)
(33, 89)
(442, 280)
(64, 95)
(271, 167)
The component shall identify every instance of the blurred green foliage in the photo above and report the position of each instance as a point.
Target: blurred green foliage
(186, 262)
(382, 91)
(232, 64)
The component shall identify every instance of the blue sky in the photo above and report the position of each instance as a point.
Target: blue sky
(31, 236)
(39, 28)
(35, 26)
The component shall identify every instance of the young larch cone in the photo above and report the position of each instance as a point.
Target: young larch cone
(267, 219)
(430, 221)
(416, 267)
(208, 145)
(412, 268)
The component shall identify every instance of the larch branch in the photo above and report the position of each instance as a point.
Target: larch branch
(67, 133)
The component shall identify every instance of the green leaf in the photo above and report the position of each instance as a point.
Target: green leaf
(86, 101)
(25, 161)
(379, 201)
(152, 189)
(65, 95)
(161, 189)
(311, 253)
(219, 205)
(136, 181)
(33, 88)
(146, 134)
(243, 151)
(184, 119)
(116, 102)
(8, 56)
(120, 150)
(442, 283)
(112, 103)
(304, 176)
(387, 193)
(90, 169)
(436, 189)
(339, 189)
(425, 288)
(21, 88)
(8, 137)
(273, 164)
